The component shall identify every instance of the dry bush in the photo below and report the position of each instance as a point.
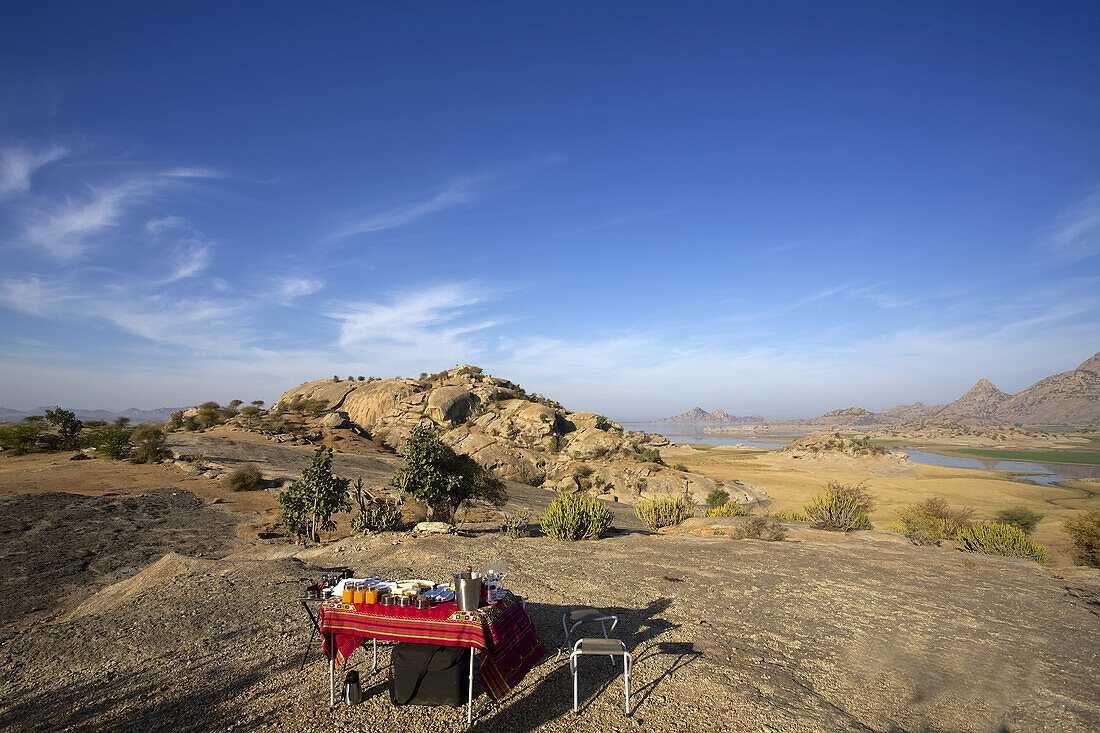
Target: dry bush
(929, 521)
(841, 508)
(245, 478)
(518, 525)
(1084, 530)
(788, 515)
(666, 510)
(759, 528)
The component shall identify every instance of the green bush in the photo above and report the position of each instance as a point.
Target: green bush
(680, 467)
(377, 516)
(573, 517)
(68, 427)
(665, 510)
(1000, 539)
(729, 509)
(1020, 517)
(556, 444)
(718, 497)
(112, 441)
(651, 455)
(21, 438)
(840, 508)
(245, 478)
(306, 508)
(601, 422)
(148, 442)
(443, 479)
(1084, 530)
(518, 525)
(929, 521)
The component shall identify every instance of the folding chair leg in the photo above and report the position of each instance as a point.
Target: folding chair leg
(603, 626)
(628, 662)
(573, 669)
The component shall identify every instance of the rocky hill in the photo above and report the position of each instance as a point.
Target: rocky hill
(518, 437)
(1069, 398)
(699, 416)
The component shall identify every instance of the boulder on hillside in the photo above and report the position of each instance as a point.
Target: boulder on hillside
(592, 443)
(336, 420)
(450, 404)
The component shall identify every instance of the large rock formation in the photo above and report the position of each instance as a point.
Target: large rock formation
(1069, 398)
(519, 438)
(982, 400)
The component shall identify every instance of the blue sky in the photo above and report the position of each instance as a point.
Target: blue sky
(635, 208)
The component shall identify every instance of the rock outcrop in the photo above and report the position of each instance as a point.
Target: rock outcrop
(1069, 398)
(519, 438)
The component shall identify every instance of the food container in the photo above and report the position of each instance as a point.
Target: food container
(422, 602)
(403, 601)
(388, 600)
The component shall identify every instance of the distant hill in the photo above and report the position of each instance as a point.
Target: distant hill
(1069, 398)
(699, 416)
(135, 415)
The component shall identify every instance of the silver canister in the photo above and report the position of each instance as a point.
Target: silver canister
(468, 593)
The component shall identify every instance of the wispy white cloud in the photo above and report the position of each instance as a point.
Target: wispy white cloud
(61, 231)
(18, 164)
(32, 296)
(427, 326)
(289, 288)
(191, 251)
(457, 192)
(1075, 234)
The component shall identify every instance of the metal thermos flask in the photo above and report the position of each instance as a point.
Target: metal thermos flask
(352, 694)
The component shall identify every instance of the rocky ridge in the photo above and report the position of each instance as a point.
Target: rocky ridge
(520, 438)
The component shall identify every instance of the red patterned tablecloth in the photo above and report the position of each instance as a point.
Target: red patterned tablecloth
(502, 631)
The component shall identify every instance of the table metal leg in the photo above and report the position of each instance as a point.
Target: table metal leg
(374, 663)
(331, 674)
(470, 692)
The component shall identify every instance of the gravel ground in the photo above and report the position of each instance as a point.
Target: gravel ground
(861, 633)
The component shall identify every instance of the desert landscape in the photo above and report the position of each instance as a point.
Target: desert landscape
(163, 573)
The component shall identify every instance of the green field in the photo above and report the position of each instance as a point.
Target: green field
(1083, 457)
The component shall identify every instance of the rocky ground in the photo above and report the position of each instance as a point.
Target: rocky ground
(820, 632)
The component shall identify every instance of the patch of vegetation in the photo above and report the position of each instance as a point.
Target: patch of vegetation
(572, 517)
(245, 478)
(718, 497)
(148, 444)
(650, 455)
(113, 440)
(665, 510)
(601, 422)
(556, 444)
(680, 467)
(68, 427)
(729, 509)
(929, 521)
(1084, 530)
(789, 515)
(306, 508)
(759, 528)
(1000, 539)
(443, 479)
(1088, 458)
(302, 405)
(841, 508)
(518, 525)
(1020, 517)
(19, 439)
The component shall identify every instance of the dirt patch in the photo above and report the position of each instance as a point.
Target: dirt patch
(62, 547)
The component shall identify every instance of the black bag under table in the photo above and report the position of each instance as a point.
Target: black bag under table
(429, 674)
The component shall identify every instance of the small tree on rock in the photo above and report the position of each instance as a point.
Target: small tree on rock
(444, 480)
(306, 508)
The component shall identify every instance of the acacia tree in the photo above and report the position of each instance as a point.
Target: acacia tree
(68, 427)
(442, 479)
(306, 508)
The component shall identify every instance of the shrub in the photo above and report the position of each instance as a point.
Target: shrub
(666, 510)
(1019, 517)
(307, 506)
(601, 422)
(1000, 539)
(377, 516)
(681, 467)
(148, 442)
(759, 528)
(1084, 530)
(840, 508)
(175, 420)
(556, 444)
(518, 525)
(360, 378)
(245, 478)
(111, 441)
(573, 517)
(68, 427)
(718, 497)
(21, 438)
(729, 509)
(929, 521)
(792, 516)
(651, 454)
(443, 479)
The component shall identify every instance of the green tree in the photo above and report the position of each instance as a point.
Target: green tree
(258, 403)
(306, 508)
(717, 498)
(112, 441)
(20, 438)
(1019, 517)
(444, 480)
(68, 427)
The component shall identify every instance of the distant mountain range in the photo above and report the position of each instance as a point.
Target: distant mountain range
(135, 415)
(1068, 398)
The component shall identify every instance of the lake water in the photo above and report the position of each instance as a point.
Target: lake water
(1047, 474)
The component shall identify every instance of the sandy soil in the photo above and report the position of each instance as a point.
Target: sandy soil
(821, 632)
(791, 482)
